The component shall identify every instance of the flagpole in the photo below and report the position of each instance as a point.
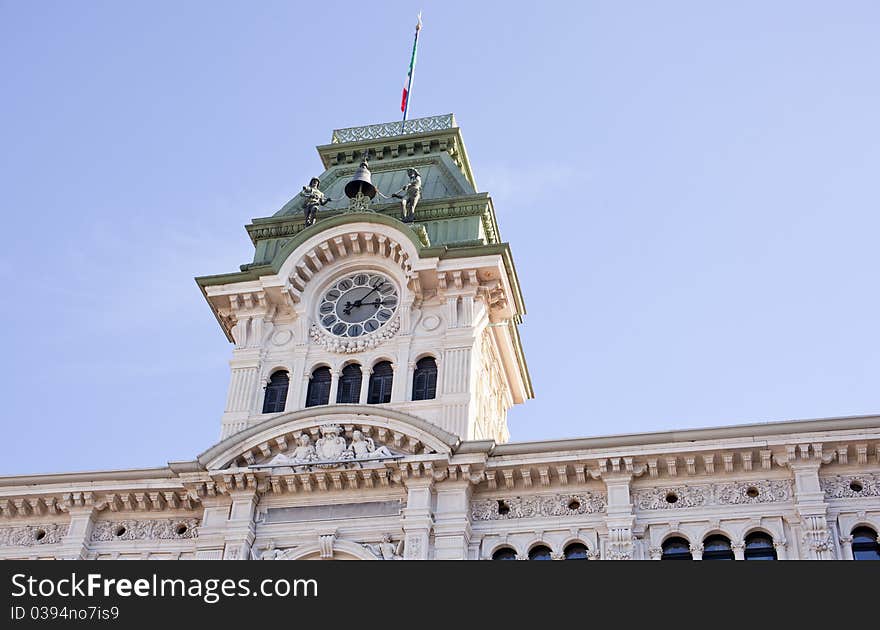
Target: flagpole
(412, 68)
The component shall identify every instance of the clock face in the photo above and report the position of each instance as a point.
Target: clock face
(358, 304)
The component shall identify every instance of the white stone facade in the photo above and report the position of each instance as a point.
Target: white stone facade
(435, 478)
(807, 485)
(452, 310)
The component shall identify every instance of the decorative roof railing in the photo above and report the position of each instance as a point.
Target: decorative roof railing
(389, 129)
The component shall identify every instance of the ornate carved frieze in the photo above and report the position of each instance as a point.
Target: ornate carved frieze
(732, 493)
(30, 535)
(671, 497)
(153, 529)
(850, 486)
(390, 129)
(538, 505)
(753, 492)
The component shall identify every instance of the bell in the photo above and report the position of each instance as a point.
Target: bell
(361, 182)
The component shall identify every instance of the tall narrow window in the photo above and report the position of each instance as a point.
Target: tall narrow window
(540, 553)
(576, 551)
(717, 548)
(505, 553)
(425, 379)
(380, 383)
(759, 546)
(676, 549)
(276, 392)
(864, 544)
(349, 384)
(319, 387)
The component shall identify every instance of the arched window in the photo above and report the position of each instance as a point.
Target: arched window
(717, 548)
(425, 379)
(319, 387)
(576, 551)
(505, 553)
(540, 552)
(865, 545)
(759, 546)
(276, 392)
(349, 384)
(676, 549)
(380, 383)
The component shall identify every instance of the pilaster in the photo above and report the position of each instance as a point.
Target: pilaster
(811, 507)
(417, 519)
(244, 383)
(212, 531)
(846, 547)
(619, 517)
(75, 545)
(240, 529)
(452, 525)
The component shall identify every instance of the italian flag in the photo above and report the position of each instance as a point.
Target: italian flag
(404, 99)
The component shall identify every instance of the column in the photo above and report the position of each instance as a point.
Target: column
(408, 383)
(365, 384)
(417, 521)
(334, 385)
(739, 550)
(696, 551)
(304, 393)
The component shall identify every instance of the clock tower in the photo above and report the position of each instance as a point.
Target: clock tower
(383, 286)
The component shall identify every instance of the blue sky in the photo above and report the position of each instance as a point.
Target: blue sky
(690, 190)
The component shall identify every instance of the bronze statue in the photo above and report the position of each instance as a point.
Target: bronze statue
(409, 195)
(314, 199)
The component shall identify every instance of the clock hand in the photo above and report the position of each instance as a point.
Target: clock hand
(360, 302)
(375, 288)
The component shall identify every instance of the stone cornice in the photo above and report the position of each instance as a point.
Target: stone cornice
(783, 429)
(133, 474)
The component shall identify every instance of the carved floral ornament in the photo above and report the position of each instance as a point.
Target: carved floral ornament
(147, 529)
(851, 486)
(360, 344)
(31, 535)
(732, 493)
(538, 505)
